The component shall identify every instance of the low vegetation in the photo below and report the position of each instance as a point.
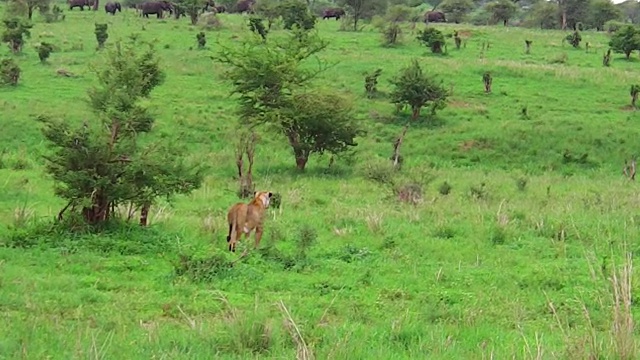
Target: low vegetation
(439, 191)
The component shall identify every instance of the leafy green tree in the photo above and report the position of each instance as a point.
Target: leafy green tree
(296, 12)
(363, 9)
(103, 163)
(630, 11)
(270, 80)
(32, 5)
(416, 89)
(432, 38)
(625, 40)
(9, 72)
(544, 14)
(192, 8)
(268, 10)
(601, 11)
(502, 10)
(456, 10)
(15, 30)
(317, 122)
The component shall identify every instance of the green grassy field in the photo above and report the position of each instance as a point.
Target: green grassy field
(515, 262)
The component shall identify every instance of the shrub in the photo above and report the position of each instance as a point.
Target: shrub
(9, 72)
(433, 39)
(44, 50)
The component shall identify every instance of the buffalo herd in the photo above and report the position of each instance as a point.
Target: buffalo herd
(158, 8)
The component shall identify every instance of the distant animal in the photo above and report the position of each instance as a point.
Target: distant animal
(332, 13)
(434, 16)
(243, 218)
(155, 7)
(112, 7)
(79, 3)
(244, 6)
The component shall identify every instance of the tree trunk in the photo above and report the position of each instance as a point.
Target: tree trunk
(415, 113)
(301, 162)
(30, 12)
(564, 19)
(627, 54)
(144, 214)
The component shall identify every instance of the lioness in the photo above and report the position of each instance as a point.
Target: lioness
(243, 218)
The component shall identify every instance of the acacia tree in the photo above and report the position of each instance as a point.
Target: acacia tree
(502, 10)
(415, 88)
(270, 81)
(456, 10)
(103, 164)
(625, 40)
(363, 9)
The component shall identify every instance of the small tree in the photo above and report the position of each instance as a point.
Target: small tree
(415, 88)
(246, 146)
(44, 50)
(268, 10)
(457, 39)
(635, 90)
(101, 34)
(296, 12)
(32, 5)
(625, 40)
(9, 72)
(318, 122)
(15, 30)
(201, 38)
(257, 27)
(103, 163)
(192, 8)
(487, 80)
(432, 38)
(269, 79)
(574, 39)
(363, 9)
(456, 10)
(606, 58)
(527, 46)
(502, 10)
(371, 82)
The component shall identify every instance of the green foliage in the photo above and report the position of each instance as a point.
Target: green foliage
(15, 30)
(625, 40)
(363, 9)
(44, 50)
(415, 88)
(296, 12)
(265, 75)
(456, 10)
(371, 83)
(269, 10)
(392, 34)
(612, 26)
(9, 72)
(432, 38)
(400, 13)
(192, 8)
(257, 27)
(101, 34)
(602, 11)
(635, 90)
(574, 39)
(52, 14)
(501, 10)
(201, 38)
(543, 15)
(102, 164)
(316, 122)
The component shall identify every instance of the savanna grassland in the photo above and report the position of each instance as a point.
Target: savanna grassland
(523, 257)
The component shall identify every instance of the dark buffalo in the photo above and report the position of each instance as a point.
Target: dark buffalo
(434, 16)
(245, 6)
(332, 13)
(78, 3)
(155, 7)
(112, 7)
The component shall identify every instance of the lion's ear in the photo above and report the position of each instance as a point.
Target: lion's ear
(270, 194)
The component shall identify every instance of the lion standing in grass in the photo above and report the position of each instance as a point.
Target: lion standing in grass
(243, 218)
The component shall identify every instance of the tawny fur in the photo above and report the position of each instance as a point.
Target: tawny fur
(244, 218)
